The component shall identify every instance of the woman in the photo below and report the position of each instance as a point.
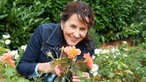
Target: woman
(76, 20)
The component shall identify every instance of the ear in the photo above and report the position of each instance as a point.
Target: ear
(62, 25)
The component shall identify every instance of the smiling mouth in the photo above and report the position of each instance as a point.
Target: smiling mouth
(73, 39)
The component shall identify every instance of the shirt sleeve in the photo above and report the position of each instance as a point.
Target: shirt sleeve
(36, 74)
(28, 61)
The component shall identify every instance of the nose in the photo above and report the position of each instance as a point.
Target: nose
(76, 34)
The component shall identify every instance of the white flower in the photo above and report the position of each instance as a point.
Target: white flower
(15, 54)
(95, 73)
(118, 53)
(113, 50)
(94, 70)
(23, 47)
(6, 36)
(7, 42)
(97, 51)
(106, 57)
(114, 56)
(105, 51)
(124, 55)
(93, 57)
(124, 42)
(126, 49)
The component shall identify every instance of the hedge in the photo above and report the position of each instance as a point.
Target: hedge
(114, 19)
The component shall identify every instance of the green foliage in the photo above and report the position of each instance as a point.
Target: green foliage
(19, 18)
(114, 20)
(8, 60)
(7, 72)
(122, 63)
(119, 19)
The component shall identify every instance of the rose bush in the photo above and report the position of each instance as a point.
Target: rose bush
(118, 64)
(8, 62)
(122, 63)
(66, 63)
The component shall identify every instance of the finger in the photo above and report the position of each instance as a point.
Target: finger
(85, 74)
(57, 70)
(75, 77)
(43, 67)
(76, 80)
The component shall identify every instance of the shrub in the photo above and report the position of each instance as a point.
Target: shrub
(121, 64)
(114, 20)
(8, 61)
(19, 18)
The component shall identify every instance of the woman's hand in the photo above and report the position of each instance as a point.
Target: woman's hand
(77, 79)
(48, 68)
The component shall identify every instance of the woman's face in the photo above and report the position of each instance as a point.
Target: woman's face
(74, 30)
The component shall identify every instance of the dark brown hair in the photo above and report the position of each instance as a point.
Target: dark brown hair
(82, 10)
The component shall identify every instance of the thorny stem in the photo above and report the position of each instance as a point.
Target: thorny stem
(62, 49)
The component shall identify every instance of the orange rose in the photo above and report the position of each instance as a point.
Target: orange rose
(89, 60)
(7, 57)
(72, 51)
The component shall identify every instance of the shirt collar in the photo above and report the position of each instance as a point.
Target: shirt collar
(55, 37)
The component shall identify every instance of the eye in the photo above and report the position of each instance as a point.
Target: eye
(83, 29)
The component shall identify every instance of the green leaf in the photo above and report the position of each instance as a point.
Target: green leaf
(129, 71)
(123, 64)
(79, 73)
(10, 71)
(111, 75)
(3, 16)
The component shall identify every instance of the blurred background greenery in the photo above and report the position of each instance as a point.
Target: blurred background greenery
(114, 19)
